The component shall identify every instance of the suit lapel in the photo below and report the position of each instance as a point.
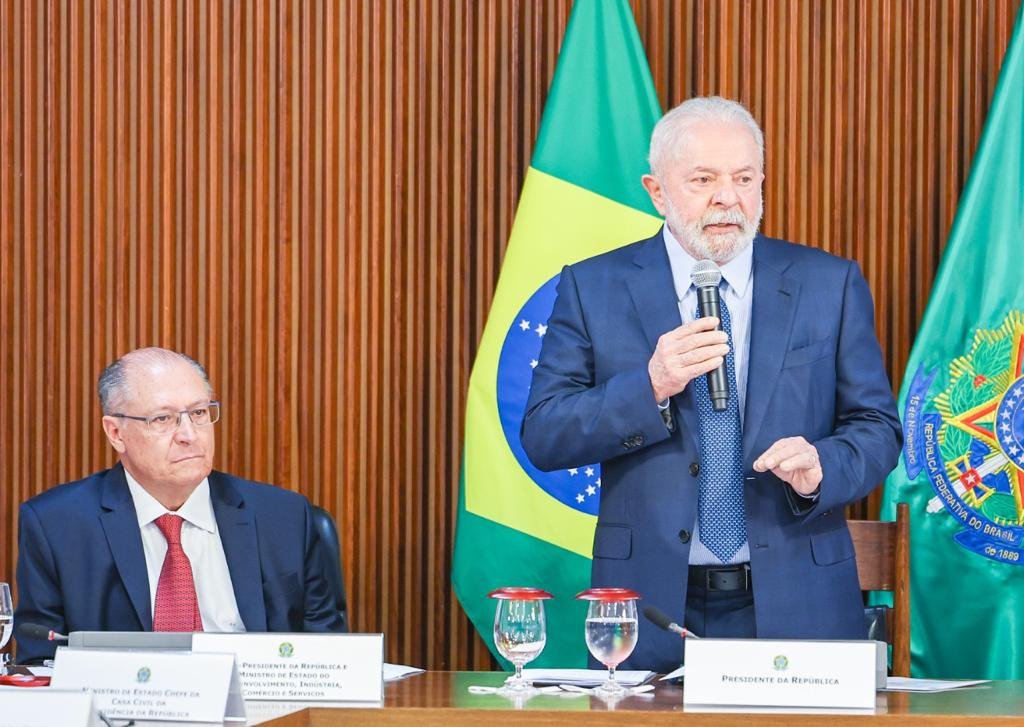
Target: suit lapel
(237, 529)
(772, 312)
(121, 527)
(654, 295)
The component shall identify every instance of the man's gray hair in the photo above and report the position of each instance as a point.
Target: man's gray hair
(113, 385)
(669, 137)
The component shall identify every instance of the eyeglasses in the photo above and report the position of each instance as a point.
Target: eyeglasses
(169, 421)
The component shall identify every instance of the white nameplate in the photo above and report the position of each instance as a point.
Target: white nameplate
(307, 667)
(152, 685)
(775, 673)
(38, 707)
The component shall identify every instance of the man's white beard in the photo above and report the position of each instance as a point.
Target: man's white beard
(704, 246)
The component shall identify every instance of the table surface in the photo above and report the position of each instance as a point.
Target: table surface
(442, 698)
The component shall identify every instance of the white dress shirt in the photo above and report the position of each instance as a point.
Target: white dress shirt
(200, 540)
(737, 274)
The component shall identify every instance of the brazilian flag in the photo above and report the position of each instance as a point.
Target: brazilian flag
(518, 526)
(962, 405)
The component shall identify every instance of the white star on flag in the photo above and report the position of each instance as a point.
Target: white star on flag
(574, 472)
(524, 325)
(533, 363)
(591, 490)
(580, 498)
(589, 471)
(541, 329)
(598, 482)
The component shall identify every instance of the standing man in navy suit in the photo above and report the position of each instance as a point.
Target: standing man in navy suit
(161, 541)
(730, 521)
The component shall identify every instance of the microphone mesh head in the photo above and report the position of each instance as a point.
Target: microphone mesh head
(705, 274)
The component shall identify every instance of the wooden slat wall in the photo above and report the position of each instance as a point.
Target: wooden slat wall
(313, 198)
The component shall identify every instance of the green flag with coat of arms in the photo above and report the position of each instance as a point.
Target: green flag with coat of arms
(518, 526)
(962, 404)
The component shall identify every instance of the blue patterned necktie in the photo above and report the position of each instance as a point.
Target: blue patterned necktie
(720, 510)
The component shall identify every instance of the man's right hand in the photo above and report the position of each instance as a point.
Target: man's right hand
(685, 353)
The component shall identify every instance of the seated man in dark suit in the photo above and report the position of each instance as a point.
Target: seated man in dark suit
(161, 542)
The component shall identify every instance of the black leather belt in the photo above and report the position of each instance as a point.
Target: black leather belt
(720, 578)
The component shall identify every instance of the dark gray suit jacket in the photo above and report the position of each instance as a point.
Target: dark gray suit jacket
(81, 565)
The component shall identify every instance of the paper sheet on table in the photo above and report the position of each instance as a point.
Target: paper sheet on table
(394, 672)
(680, 672)
(585, 677)
(908, 684)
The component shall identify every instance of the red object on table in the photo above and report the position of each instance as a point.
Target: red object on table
(24, 680)
(608, 594)
(520, 593)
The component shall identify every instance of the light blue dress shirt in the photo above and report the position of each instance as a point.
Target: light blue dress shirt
(737, 275)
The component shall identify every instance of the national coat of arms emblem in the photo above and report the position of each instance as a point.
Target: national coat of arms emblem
(966, 432)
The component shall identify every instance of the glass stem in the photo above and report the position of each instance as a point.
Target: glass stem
(519, 672)
(611, 673)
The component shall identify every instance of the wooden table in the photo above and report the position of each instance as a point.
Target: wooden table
(441, 698)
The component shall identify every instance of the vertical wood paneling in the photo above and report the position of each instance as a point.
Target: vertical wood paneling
(313, 198)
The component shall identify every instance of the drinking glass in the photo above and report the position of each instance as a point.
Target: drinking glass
(6, 622)
(611, 631)
(520, 632)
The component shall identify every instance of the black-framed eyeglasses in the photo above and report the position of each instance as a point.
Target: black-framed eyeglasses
(169, 421)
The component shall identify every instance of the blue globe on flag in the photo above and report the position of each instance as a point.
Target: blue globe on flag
(579, 487)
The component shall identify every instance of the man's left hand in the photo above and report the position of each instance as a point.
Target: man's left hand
(795, 461)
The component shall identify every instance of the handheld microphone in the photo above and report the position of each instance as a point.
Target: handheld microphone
(35, 631)
(662, 620)
(706, 276)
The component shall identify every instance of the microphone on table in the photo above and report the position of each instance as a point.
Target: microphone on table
(663, 621)
(35, 631)
(705, 277)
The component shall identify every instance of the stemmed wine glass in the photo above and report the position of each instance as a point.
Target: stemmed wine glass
(611, 631)
(520, 632)
(6, 622)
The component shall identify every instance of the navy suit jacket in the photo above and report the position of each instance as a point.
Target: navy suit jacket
(815, 370)
(81, 565)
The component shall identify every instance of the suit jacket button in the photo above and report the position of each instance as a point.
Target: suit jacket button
(694, 469)
(684, 536)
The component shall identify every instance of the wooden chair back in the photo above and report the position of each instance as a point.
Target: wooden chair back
(883, 564)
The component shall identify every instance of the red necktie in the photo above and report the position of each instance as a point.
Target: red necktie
(177, 607)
